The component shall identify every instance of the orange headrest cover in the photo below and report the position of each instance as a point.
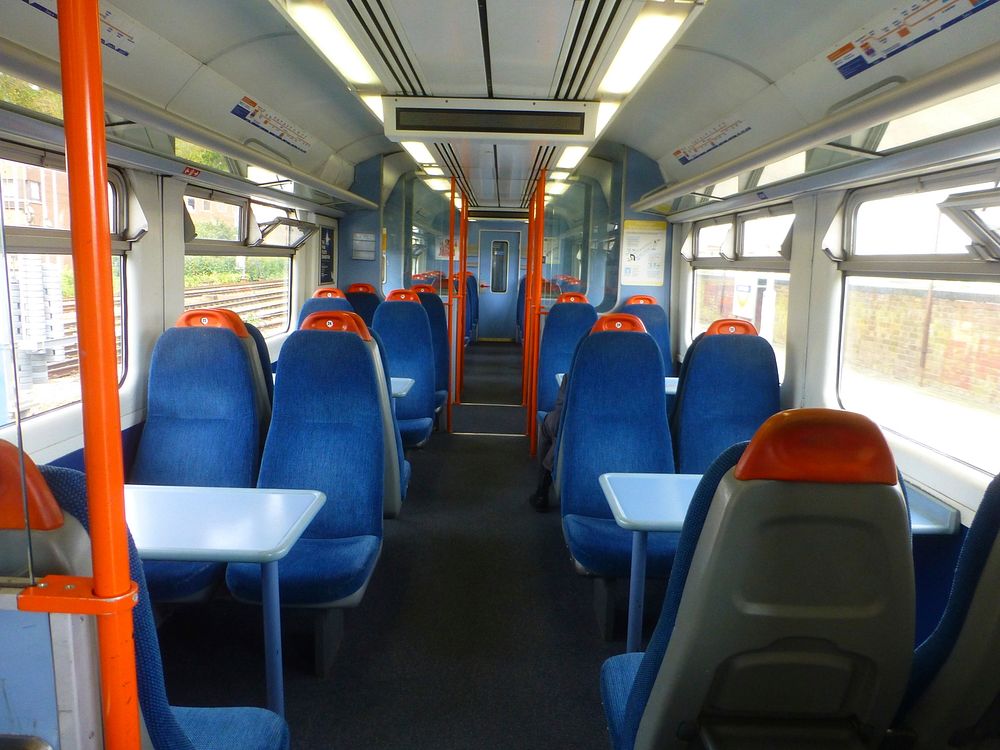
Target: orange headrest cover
(336, 320)
(329, 291)
(423, 289)
(361, 287)
(213, 318)
(402, 295)
(731, 325)
(572, 297)
(641, 299)
(44, 512)
(619, 322)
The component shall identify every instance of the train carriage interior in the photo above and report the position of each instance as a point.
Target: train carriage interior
(500, 374)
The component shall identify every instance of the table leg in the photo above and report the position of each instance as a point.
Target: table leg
(271, 605)
(636, 591)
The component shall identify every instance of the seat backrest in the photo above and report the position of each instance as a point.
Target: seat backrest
(565, 325)
(728, 387)
(731, 325)
(797, 617)
(614, 418)
(423, 288)
(657, 325)
(203, 425)
(323, 304)
(952, 696)
(406, 332)
(327, 431)
(438, 319)
(520, 308)
(265, 359)
(472, 292)
(363, 302)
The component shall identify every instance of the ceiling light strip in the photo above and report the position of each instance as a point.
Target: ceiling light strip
(401, 47)
(573, 49)
(582, 82)
(366, 24)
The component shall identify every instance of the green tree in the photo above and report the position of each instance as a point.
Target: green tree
(23, 94)
(201, 155)
(215, 230)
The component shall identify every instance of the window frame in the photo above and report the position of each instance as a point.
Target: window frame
(780, 263)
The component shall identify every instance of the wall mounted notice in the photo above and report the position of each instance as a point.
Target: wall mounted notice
(363, 246)
(326, 251)
(644, 252)
(899, 29)
(117, 29)
(272, 123)
(711, 138)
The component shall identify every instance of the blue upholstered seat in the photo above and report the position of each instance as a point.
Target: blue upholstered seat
(614, 420)
(728, 388)
(322, 304)
(657, 325)
(565, 325)
(365, 304)
(265, 359)
(519, 315)
(326, 434)
(404, 465)
(406, 334)
(472, 294)
(438, 319)
(201, 430)
(170, 728)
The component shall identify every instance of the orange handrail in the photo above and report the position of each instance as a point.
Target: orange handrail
(463, 305)
(87, 165)
(536, 310)
(529, 245)
(451, 298)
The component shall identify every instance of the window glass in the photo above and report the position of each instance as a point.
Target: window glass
(910, 224)
(783, 169)
(956, 114)
(258, 289)
(34, 196)
(764, 236)
(714, 239)
(206, 157)
(758, 296)
(282, 235)
(21, 93)
(215, 220)
(43, 308)
(922, 358)
(726, 188)
(990, 216)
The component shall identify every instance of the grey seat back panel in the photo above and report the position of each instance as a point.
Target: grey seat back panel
(64, 550)
(392, 493)
(259, 386)
(799, 603)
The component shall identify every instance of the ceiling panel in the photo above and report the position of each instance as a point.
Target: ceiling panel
(524, 56)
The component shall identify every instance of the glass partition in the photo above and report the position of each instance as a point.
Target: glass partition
(416, 221)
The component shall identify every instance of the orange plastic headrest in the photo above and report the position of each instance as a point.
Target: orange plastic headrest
(44, 512)
(641, 299)
(336, 320)
(329, 291)
(423, 289)
(619, 322)
(402, 295)
(361, 287)
(572, 297)
(818, 445)
(213, 317)
(731, 326)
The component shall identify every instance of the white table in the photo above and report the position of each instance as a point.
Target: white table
(642, 503)
(401, 386)
(223, 524)
(658, 502)
(669, 384)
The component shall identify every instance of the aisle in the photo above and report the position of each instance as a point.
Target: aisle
(475, 632)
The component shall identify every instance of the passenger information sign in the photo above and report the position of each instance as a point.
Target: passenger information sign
(901, 28)
(720, 133)
(272, 123)
(644, 254)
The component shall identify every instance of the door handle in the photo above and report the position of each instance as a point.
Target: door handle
(484, 286)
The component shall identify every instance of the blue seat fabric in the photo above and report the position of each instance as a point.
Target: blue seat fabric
(265, 358)
(930, 656)
(620, 675)
(322, 304)
(657, 325)
(201, 430)
(438, 320)
(326, 434)
(406, 334)
(728, 388)
(614, 420)
(519, 317)
(565, 325)
(472, 293)
(365, 304)
(170, 728)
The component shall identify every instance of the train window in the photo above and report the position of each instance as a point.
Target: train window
(765, 235)
(21, 93)
(217, 218)
(964, 111)
(206, 157)
(922, 358)
(257, 288)
(713, 239)
(783, 169)
(278, 226)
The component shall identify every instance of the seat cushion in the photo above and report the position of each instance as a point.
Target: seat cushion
(243, 728)
(415, 432)
(605, 549)
(174, 581)
(617, 676)
(315, 572)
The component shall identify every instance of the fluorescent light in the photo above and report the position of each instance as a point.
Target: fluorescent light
(642, 45)
(438, 183)
(556, 188)
(605, 111)
(571, 156)
(374, 102)
(316, 21)
(559, 176)
(419, 152)
(434, 171)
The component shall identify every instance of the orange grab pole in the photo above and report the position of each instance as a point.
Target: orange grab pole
(529, 285)
(463, 301)
(86, 158)
(524, 311)
(451, 295)
(537, 306)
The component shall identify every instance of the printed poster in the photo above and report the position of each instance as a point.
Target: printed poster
(644, 253)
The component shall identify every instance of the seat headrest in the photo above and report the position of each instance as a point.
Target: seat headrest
(212, 317)
(329, 291)
(423, 289)
(730, 326)
(361, 287)
(827, 446)
(336, 320)
(572, 297)
(402, 295)
(44, 513)
(641, 299)
(619, 322)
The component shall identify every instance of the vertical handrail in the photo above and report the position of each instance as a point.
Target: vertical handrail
(463, 301)
(86, 161)
(536, 310)
(524, 303)
(452, 341)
